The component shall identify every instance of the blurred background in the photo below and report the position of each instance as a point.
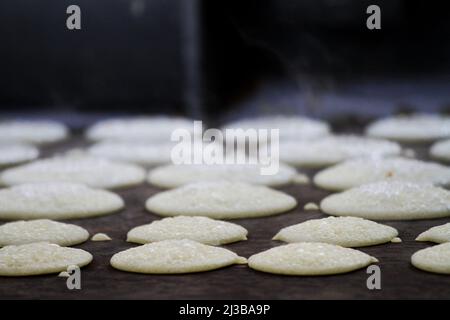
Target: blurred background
(221, 60)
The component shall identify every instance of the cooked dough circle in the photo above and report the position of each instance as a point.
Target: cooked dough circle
(438, 234)
(394, 200)
(290, 127)
(56, 200)
(200, 229)
(334, 149)
(354, 173)
(342, 231)
(43, 230)
(435, 259)
(95, 172)
(171, 176)
(174, 256)
(309, 258)
(441, 150)
(220, 200)
(148, 129)
(40, 258)
(34, 132)
(411, 128)
(16, 153)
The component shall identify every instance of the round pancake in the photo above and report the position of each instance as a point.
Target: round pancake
(291, 127)
(390, 200)
(200, 229)
(56, 200)
(33, 132)
(441, 150)
(220, 200)
(309, 259)
(438, 234)
(16, 153)
(334, 149)
(435, 259)
(92, 171)
(40, 258)
(173, 257)
(411, 128)
(357, 172)
(148, 129)
(342, 231)
(172, 176)
(43, 230)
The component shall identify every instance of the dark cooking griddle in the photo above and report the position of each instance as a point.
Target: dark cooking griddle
(100, 281)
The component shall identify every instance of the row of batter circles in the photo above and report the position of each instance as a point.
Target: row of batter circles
(167, 251)
(343, 231)
(306, 135)
(318, 153)
(103, 173)
(385, 200)
(404, 128)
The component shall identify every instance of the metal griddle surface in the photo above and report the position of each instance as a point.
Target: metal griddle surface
(101, 281)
